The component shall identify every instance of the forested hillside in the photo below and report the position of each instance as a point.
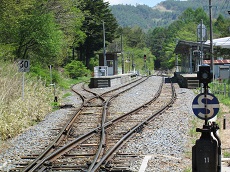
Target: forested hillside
(164, 13)
(69, 33)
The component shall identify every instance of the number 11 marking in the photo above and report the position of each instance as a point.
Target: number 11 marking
(206, 160)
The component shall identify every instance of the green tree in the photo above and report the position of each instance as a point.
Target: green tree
(187, 16)
(163, 40)
(42, 40)
(96, 12)
(31, 32)
(156, 41)
(135, 37)
(221, 26)
(40, 30)
(199, 15)
(69, 19)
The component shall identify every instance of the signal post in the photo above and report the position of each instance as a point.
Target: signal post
(206, 153)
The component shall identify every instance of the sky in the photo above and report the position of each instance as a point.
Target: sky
(150, 3)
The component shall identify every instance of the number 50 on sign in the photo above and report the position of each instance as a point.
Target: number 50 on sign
(24, 65)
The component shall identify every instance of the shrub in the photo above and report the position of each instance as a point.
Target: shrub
(44, 73)
(76, 69)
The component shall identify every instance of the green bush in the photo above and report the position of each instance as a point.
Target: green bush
(44, 74)
(76, 69)
(93, 62)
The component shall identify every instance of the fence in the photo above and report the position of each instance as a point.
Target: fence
(220, 88)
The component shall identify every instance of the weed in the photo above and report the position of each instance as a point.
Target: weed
(226, 154)
(66, 95)
(188, 170)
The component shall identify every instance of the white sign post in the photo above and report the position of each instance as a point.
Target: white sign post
(23, 66)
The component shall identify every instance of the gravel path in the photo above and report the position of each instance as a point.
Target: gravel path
(166, 144)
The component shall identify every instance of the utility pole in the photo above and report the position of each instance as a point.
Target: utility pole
(122, 57)
(132, 63)
(211, 39)
(104, 51)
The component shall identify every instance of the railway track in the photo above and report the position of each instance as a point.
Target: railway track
(91, 147)
(92, 104)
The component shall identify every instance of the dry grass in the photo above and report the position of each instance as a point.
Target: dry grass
(17, 114)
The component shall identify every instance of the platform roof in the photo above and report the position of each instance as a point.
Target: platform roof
(220, 42)
(183, 47)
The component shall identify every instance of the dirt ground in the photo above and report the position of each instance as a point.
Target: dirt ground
(225, 133)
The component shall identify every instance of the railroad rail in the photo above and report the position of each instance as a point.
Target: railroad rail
(66, 130)
(101, 136)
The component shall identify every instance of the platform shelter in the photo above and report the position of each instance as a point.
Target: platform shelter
(190, 60)
(111, 62)
(106, 75)
(190, 55)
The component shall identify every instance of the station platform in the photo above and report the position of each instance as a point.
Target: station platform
(186, 80)
(108, 81)
(191, 80)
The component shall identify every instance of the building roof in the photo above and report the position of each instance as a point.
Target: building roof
(183, 47)
(217, 62)
(220, 42)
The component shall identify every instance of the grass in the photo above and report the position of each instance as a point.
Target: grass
(223, 99)
(188, 170)
(66, 83)
(66, 95)
(221, 91)
(226, 154)
(16, 113)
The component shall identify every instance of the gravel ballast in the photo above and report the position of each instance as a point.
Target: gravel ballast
(165, 140)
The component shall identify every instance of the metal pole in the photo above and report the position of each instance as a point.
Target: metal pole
(201, 48)
(190, 60)
(129, 61)
(23, 84)
(104, 51)
(206, 109)
(51, 79)
(122, 57)
(177, 69)
(132, 64)
(211, 39)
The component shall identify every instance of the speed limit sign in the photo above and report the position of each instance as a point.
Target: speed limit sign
(24, 65)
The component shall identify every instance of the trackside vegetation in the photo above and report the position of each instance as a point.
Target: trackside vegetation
(16, 113)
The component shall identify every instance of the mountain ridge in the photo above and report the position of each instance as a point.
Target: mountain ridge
(164, 13)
